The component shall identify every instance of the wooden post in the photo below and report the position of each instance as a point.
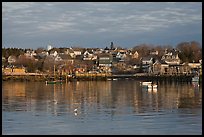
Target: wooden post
(54, 72)
(66, 77)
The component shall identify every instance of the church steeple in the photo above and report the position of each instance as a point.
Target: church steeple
(112, 46)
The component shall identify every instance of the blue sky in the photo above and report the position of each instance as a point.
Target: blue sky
(89, 24)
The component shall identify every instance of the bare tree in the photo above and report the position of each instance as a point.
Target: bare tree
(190, 51)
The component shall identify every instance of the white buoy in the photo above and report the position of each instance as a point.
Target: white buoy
(75, 111)
(55, 101)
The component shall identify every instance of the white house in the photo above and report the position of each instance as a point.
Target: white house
(77, 51)
(171, 57)
(135, 55)
(54, 53)
(11, 59)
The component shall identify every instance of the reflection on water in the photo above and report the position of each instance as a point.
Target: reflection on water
(115, 102)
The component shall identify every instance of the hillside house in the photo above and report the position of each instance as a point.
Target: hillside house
(105, 60)
(77, 51)
(160, 67)
(30, 54)
(147, 63)
(53, 53)
(154, 52)
(11, 59)
(70, 52)
(135, 55)
(89, 55)
(171, 57)
(66, 58)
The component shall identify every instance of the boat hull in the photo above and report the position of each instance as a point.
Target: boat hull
(195, 79)
(53, 82)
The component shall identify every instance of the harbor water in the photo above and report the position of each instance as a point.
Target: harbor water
(118, 107)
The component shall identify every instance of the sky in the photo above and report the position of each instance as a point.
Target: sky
(97, 24)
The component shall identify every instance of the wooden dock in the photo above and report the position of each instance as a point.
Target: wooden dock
(98, 76)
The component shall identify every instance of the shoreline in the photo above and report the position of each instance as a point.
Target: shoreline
(160, 78)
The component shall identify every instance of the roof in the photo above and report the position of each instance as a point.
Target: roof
(70, 50)
(147, 58)
(65, 56)
(104, 55)
(161, 61)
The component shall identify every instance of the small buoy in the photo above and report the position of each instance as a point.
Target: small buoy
(55, 101)
(75, 111)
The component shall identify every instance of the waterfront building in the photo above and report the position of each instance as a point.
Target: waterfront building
(171, 57)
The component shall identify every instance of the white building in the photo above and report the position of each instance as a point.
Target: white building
(49, 47)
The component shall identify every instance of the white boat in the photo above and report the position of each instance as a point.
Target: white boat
(146, 83)
(195, 79)
(149, 86)
(154, 86)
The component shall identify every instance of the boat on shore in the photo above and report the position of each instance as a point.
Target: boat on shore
(195, 79)
(53, 82)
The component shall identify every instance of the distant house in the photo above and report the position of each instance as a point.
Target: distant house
(154, 52)
(157, 67)
(147, 63)
(135, 55)
(160, 67)
(171, 57)
(97, 51)
(89, 55)
(57, 58)
(77, 51)
(53, 53)
(11, 59)
(147, 60)
(30, 54)
(41, 55)
(70, 52)
(66, 58)
(121, 54)
(106, 50)
(105, 60)
(164, 68)
(121, 50)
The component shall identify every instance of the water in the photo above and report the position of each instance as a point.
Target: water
(103, 107)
